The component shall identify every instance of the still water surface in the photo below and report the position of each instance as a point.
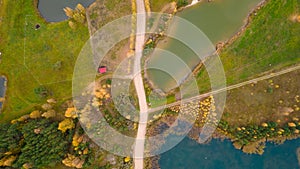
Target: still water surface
(2, 89)
(222, 155)
(218, 20)
(52, 10)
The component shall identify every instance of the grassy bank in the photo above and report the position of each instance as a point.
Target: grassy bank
(33, 58)
(158, 5)
(270, 42)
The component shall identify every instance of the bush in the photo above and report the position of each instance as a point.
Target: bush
(181, 3)
(41, 91)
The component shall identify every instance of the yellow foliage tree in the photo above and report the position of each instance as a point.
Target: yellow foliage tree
(65, 125)
(147, 6)
(49, 114)
(69, 12)
(35, 114)
(72, 161)
(7, 161)
(79, 17)
(23, 118)
(126, 159)
(80, 8)
(27, 166)
(71, 113)
(75, 143)
(72, 25)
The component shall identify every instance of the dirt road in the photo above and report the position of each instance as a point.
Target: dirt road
(138, 154)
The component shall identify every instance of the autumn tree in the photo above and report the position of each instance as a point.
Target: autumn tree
(66, 124)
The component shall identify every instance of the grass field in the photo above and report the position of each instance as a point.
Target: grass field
(276, 99)
(44, 57)
(158, 5)
(29, 56)
(270, 42)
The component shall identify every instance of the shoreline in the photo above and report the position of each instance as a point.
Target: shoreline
(220, 46)
(254, 148)
(36, 6)
(196, 68)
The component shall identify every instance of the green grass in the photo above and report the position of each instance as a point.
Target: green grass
(157, 5)
(29, 55)
(270, 42)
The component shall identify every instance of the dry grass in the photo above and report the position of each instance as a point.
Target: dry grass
(275, 99)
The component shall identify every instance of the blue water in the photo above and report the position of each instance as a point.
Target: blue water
(2, 86)
(2, 89)
(52, 10)
(222, 155)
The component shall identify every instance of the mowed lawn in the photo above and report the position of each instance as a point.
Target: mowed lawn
(271, 42)
(31, 58)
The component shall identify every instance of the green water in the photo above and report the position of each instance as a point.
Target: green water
(222, 155)
(218, 20)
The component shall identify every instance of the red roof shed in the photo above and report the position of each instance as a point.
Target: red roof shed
(102, 69)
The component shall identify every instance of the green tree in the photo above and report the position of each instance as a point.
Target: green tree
(181, 3)
(43, 144)
(10, 138)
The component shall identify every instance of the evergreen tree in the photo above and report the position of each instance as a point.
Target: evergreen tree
(43, 144)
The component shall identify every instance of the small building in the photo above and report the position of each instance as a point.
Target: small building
(102, 69)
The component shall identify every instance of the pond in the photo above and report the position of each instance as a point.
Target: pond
(222, 155)
(2, 90)
(52, 10)
(218, 20)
